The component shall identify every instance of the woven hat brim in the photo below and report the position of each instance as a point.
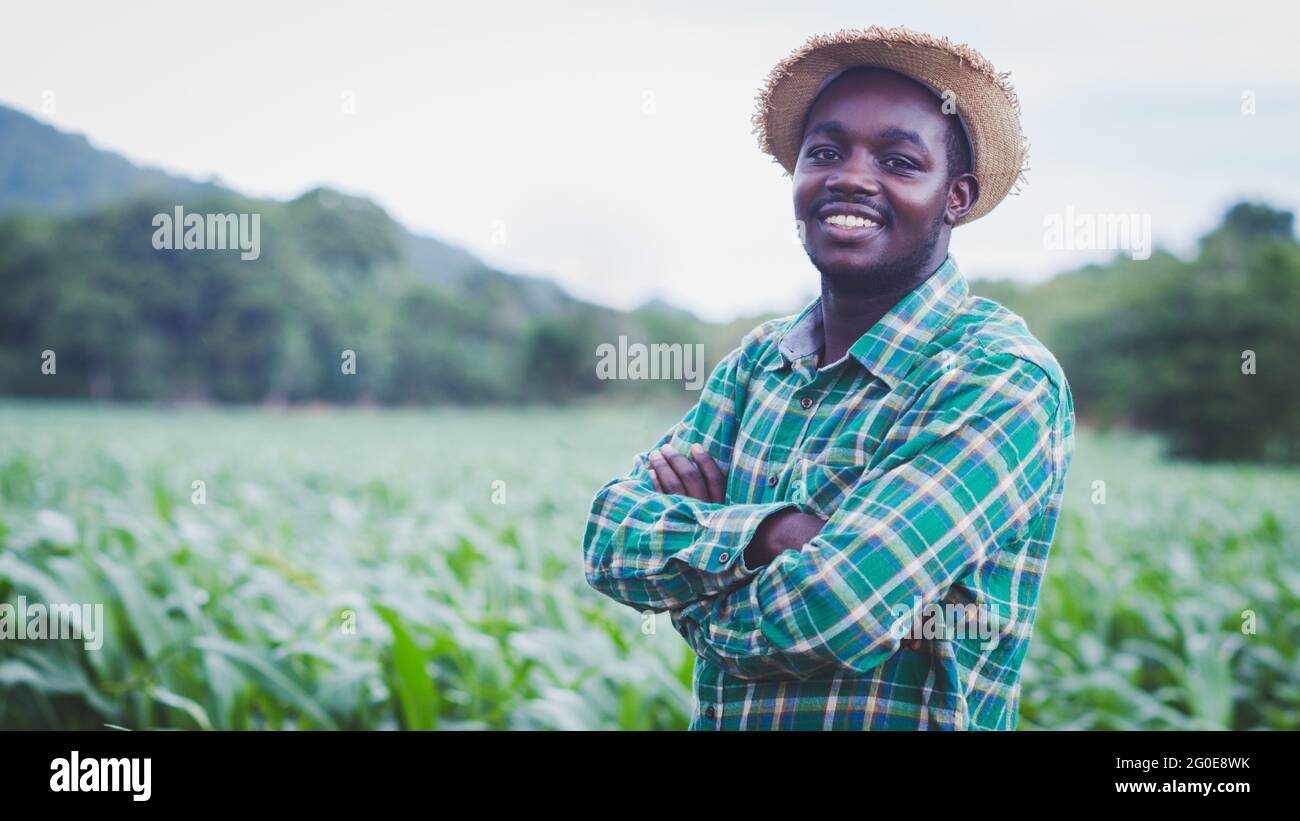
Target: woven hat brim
(984, 98)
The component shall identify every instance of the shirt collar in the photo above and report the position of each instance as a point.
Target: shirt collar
(888, 349)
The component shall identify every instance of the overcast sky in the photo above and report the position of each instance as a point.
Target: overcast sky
(609, 146)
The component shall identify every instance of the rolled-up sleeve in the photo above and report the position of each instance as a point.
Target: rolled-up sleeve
(976, 459)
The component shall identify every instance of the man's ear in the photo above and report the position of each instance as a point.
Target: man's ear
(962, 194)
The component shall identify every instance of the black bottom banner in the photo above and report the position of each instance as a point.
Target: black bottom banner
(129, 771)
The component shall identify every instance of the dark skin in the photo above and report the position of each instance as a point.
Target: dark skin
(874, 145)
(700, 478)
(878, 201)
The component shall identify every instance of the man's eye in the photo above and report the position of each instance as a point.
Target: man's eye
(900, 162)
(823, 154)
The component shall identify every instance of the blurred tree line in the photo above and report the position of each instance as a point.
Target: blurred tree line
(427, 322)
(1203, 351)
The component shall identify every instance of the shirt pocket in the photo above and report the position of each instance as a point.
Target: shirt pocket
(821, 485)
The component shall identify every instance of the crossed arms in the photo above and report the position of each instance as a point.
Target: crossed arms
(767, 590)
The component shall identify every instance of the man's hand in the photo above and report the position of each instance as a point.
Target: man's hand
(698, 477)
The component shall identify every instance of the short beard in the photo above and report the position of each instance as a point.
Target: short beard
(886, 278)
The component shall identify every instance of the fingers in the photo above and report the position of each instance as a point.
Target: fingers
(687, 473)
(676, 474)
(665, 477)
(699, 477)
(714, 478)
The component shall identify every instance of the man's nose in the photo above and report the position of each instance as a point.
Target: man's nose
(856, 175)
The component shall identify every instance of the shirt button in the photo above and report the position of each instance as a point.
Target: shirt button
(722, 557)
(710, 713)
(772, 480)
(805, 403)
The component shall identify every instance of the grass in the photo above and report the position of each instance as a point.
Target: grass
(362, 569)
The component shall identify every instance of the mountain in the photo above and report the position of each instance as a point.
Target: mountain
(45, 170)
(333, 274)
(337, 302)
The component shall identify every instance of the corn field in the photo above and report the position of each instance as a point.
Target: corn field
(422, 569)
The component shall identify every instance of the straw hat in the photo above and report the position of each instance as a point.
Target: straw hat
(985, 101)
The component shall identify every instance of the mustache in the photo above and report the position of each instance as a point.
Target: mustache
(887, 216)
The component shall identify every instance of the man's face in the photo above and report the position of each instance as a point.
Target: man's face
(874, 151)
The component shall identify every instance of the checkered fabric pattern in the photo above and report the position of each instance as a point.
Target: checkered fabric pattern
(936, 449)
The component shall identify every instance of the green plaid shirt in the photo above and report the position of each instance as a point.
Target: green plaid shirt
(936, 449)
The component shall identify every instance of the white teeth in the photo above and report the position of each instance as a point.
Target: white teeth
(848, 221)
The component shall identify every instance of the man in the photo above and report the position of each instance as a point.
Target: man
(896, 446)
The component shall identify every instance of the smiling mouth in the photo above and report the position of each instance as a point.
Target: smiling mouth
(849, 228)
